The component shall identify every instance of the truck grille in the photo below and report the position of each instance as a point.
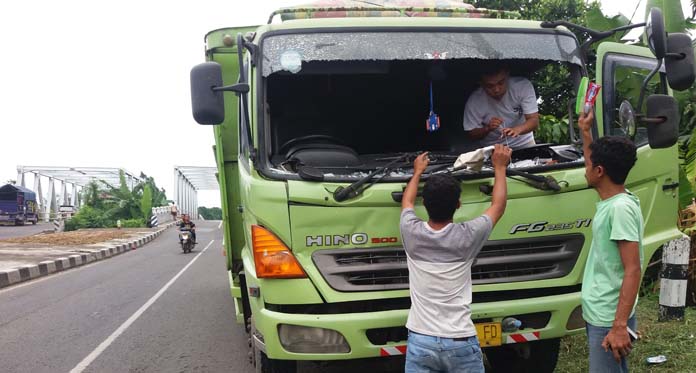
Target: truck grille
(517, 260)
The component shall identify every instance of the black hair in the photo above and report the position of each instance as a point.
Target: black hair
(616, 154)
(493, 68)
(440, 197)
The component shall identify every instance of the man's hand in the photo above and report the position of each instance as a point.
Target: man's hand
(493, 124)
(501, 156)
(510, 132)
(420, 164)
(409, 198)
(585, 121)
(619, 342)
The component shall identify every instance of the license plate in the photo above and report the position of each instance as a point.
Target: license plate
(489, 334)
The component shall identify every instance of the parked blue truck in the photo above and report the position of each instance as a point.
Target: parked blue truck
(18, 205)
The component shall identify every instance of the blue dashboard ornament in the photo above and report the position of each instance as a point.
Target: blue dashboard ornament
(432, 124)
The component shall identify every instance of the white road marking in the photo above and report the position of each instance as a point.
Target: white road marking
(220, 225)
(82, 365)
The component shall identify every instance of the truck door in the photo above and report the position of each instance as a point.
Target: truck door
(621, 70)
(221, 48)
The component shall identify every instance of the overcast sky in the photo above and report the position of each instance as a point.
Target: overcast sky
(92, 83)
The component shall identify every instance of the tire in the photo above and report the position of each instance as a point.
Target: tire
(538, 356)
(263, 364)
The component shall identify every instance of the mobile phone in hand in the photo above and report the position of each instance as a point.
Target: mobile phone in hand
(631, 334)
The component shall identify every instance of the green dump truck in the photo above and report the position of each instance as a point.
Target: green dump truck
(318, 114)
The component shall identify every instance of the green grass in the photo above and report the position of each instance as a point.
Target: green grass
(675, 340)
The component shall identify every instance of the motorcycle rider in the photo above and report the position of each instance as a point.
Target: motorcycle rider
(186, 223)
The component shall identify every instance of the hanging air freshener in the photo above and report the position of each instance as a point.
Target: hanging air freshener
(432, 124)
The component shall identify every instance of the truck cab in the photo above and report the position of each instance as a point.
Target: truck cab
(317, 119)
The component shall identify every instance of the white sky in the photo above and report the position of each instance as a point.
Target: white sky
(91, 83)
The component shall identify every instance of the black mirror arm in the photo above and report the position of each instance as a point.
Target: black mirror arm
(595, 35)
(645, 84)
(238, 88)
(675, 56)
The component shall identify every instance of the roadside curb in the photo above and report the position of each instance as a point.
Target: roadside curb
(30, 272)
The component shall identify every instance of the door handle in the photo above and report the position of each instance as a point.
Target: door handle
(673, 185)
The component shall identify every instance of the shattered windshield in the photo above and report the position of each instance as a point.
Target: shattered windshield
(345, 104)
(288, 52)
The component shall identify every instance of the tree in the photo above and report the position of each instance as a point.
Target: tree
(212, 213)
(146, 202)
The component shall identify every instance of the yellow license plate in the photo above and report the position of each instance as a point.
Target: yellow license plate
(489, 334)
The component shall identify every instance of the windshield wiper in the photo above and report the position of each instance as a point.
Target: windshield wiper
(536, 181)
(355, 189)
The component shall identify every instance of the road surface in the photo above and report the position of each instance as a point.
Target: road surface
(9, 231)
(150, 310)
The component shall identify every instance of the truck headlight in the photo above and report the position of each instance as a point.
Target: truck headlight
(307, 339)
(575, 321)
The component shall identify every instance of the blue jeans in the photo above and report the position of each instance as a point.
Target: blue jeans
(603, 361)
(435, 354)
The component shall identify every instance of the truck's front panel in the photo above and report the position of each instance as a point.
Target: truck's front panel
(352, 300)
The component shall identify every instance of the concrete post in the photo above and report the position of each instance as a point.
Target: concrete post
(63, 193)
(52, 206)
(20, 177)
(195, 203)
(673, 278)
(39, 195)
(74, 195)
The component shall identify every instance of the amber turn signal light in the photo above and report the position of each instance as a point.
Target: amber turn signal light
(273, 259)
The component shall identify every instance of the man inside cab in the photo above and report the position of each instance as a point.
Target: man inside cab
(503, 110)
(187, 224)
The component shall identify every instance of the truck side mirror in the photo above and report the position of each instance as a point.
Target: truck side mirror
(627, 118)
(656, 35)
(679, 61)
(663, 121)
(207, 104)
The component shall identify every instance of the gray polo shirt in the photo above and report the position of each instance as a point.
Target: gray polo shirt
(439, 266)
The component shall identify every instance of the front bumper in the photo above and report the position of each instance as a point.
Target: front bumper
(354, 326)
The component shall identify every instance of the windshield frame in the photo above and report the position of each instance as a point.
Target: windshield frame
(263, 163)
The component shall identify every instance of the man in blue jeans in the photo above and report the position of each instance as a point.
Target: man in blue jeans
(612, 273)
(442, 337)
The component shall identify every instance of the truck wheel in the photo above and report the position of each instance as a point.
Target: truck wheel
(538, 356)
(263, 364)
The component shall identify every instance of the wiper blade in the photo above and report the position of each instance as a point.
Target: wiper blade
(537, 181)
(355, 189)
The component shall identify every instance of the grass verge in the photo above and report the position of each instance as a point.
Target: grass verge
(675, 340)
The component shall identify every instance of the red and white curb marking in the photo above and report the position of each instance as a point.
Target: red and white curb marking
(522, 337)
(392, 351)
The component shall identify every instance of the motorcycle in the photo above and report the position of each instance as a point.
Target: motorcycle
(186, 240)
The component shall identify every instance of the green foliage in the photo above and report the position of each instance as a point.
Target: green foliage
(553, 86)
(595, 19)
(672, 13)
(552, 130)
(146, 202)
(87, 217)
(133, 223)
(687, 169)
(213, 213)
(110, 203)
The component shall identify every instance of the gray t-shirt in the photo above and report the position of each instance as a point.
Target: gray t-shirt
(439, 273)
(511, 108)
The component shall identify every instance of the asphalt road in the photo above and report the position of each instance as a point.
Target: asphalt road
(52, 324)
(8, 231)
(132, 313)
